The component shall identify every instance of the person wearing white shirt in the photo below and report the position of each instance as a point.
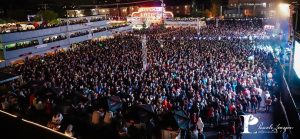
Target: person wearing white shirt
(259, 96)
(57, 118)
(200, 125)
(267, 95)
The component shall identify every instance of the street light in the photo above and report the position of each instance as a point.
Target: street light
(144, 51)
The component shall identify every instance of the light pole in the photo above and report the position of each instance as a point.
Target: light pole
(118, 9)
(239, 10)
(144, 52)
(162, 11)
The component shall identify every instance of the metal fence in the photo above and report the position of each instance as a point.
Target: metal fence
(287, 102)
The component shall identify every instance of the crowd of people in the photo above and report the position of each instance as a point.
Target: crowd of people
(13, 27)
(98, 19)
(54, 38)
(25, 44)
(96, 30)
(16, 27)
(79, 21)
(212, 81)
(77, 34)
(117, 26)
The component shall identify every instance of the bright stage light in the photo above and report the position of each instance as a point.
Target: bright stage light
(296, 63)
(284, 9)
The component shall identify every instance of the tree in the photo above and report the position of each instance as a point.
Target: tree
(37, 18)
(55, 21)
(214, 9)
(2, 21)
(46, 15)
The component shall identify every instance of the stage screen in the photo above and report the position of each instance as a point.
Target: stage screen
(297, 58)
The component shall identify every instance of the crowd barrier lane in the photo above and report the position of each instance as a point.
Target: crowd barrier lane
(287, 102)
(167, 134)
(24, 127)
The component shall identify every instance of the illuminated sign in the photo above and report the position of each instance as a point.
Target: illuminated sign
(148, 16)
(150, 9)
(152, 12)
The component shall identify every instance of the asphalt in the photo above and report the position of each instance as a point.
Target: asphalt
(264, 129)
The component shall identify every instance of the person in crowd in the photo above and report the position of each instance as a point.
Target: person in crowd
(69, 131)
(39, 106)
(200, 126)
(253, 104)
(239, 128)
(4, 104)
(258, 92)
(221, 135)
(57, 118)
(268, 104)
(96, 117)
(108, 117)
(123, 131)
(132, 131)
(194, 133)
(56, 121)
(232, 130)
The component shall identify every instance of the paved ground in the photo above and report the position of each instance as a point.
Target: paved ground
(262, 129)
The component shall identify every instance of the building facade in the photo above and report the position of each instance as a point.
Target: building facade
(250, 8)
(19, 45)
(180, 10)
(124, 11)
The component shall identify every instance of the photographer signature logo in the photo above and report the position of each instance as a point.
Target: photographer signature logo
(251, 120)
